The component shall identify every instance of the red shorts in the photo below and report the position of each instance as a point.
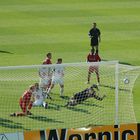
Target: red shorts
(93, 69)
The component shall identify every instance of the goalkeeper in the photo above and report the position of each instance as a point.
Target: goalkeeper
(84, 95)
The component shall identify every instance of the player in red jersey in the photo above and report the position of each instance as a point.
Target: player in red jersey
(45, 73)
(25, 102)
(48, 59)
(93, 57)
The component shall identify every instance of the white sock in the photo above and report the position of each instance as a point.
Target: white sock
(49, 89)
(61, 91)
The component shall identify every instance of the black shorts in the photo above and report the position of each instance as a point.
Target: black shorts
(94, 42)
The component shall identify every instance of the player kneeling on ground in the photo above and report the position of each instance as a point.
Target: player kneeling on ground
(39, 97)
(84, 95)
(25, 102)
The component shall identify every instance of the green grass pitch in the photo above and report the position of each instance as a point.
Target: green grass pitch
(31, 28)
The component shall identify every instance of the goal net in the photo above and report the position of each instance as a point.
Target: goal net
(108, 102)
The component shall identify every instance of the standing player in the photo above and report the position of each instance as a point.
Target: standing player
(39, 97)
(45, 73)
(25, 102)
(57, 77)
(93, 57)
(95, 36)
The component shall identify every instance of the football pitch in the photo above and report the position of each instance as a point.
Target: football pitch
(31, 28)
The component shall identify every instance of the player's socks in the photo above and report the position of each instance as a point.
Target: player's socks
(61, 91)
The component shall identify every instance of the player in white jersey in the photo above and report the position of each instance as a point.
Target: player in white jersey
(39, 97)
(45, 74)
(57, 77)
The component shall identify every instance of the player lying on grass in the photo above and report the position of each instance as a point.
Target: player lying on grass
(39, 97)
(84, 95)
(25, 102)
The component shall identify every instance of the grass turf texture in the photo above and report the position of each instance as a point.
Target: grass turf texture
(29, 29)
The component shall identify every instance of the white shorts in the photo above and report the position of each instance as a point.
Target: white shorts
(57, 80)
(44, 82)
(38, 102)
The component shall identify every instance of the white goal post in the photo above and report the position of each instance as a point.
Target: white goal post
(111, 102)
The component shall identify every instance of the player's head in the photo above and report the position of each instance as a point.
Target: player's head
(94, 24)
(31, 88)
(59, 60)
(36, 85)
(94, 87)
(49, 55)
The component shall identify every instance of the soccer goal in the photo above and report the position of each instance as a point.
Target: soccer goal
(104, 100)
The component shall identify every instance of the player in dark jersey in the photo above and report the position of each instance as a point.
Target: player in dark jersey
(79, 97)
(95, 36)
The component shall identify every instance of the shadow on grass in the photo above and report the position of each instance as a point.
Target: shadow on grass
(125, 63)
(113, 87)
(65, 97)
(10, 124)
(79, 110)
(54, 106)
(90, 104)
(44, 119)
(6, 52)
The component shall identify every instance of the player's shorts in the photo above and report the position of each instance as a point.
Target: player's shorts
(57, 80)
(38, 102)
(93, 69)
(44, 82)
(94, 42)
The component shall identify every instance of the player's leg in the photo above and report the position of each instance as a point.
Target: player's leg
(97, 75)
(61, 90)
(45, 105)
(98, 97)
(97, 48)
(61, 83)
(50, 88)
(48, 84)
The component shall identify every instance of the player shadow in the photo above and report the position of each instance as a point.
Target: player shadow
(44, 119)
(113, 87)
(10, 124)
(73, 108)
(65, 97)
(54, 106)
(6, 52)
(125, 63)
(86, 103)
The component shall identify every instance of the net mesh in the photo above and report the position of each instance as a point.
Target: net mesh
(90, 111)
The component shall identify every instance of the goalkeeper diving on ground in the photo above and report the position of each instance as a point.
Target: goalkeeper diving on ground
(79, 97)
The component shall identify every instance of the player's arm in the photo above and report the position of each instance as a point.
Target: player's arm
(89, 34)
(87, 58)
(99, 36)
(99, 58)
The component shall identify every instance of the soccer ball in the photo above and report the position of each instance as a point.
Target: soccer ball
(126, 81)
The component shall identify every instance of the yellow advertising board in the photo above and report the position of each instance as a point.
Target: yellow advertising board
(112, 132)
